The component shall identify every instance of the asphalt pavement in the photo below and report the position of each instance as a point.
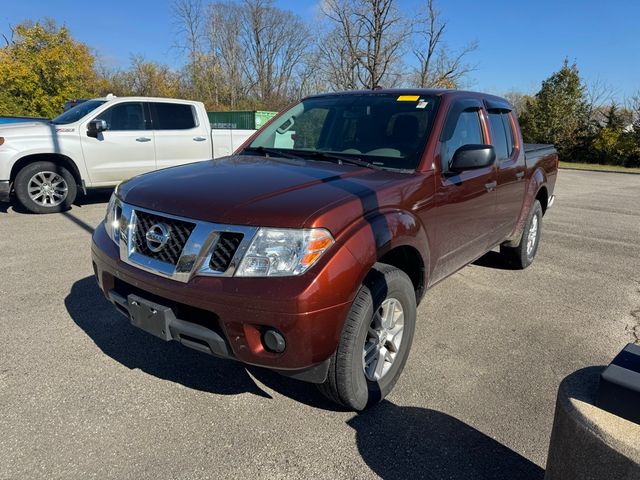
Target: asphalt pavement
(84, 395)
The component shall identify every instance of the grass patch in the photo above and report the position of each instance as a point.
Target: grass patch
(597, 167)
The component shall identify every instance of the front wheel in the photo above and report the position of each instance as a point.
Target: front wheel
(45, 187)
(375, 340)
(522, 255)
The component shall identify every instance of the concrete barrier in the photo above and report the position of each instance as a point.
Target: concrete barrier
(588, 443)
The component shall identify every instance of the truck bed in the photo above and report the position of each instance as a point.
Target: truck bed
(538, 148)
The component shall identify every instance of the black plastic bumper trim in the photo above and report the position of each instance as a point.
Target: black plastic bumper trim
(5, 190)
(169, 327)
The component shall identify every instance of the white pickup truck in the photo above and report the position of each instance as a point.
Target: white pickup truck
(100, 143)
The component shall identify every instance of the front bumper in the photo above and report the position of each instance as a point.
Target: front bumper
(309, 311)
(5, 190)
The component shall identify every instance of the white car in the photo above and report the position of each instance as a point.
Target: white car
(100, 143)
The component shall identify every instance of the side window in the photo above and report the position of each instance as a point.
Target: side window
(123, 117)
(498, 135)
(173, 116)
(511, 138)
(467, 131)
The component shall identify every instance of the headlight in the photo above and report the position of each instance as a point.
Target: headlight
(112, 219)
(278, 252)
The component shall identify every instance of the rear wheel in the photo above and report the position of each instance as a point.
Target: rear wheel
(522, 255)
(45, 187)
(375, 340)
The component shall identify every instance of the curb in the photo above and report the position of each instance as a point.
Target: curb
(597, 171)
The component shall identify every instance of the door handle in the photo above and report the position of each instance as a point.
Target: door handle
(143, 139)
(519, 175)
(199, 139)
(491, 185)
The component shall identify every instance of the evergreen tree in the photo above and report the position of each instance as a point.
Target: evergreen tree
(559, 113)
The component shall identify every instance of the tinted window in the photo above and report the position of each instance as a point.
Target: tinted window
(467, 131)
(498, 135)
(388, 130)
(124, 116)
(173, 116)
(511, 138)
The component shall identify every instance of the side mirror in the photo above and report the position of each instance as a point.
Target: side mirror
(469, 157)
(94, 127)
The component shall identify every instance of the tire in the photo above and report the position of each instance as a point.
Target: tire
(45, 187)
(522, 255)
(349, 381)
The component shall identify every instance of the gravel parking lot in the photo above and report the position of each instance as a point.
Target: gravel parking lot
(85, 395)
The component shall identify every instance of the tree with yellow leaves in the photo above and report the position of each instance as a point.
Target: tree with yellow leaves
(42, 66)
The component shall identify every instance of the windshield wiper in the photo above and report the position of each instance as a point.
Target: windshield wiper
(342, 159)
(273, 151)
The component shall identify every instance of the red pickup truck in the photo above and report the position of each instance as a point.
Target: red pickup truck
(308, 250)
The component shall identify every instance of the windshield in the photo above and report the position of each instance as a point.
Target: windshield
(77, 112)
(385, 130)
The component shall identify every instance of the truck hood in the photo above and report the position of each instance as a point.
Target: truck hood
(30, 129)
(259, 191)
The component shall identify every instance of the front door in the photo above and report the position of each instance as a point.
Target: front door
(124, 150)
(464, 216)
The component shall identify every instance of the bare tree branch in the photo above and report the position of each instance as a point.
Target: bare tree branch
(438, 67)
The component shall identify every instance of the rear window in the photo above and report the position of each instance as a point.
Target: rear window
(173, 116)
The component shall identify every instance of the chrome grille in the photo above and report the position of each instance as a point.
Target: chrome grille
(179, 232)
(224, 250)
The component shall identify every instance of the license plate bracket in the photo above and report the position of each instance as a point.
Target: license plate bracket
(149, 316)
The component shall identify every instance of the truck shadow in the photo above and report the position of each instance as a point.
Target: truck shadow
(94, 196)
(395, 442)
(494, 260)
(410, 442)
(115, 337)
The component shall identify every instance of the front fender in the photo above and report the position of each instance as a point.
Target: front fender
(370, 237)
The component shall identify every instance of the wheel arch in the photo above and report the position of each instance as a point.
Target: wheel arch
(396, 238)
(58, 158)
(536, 190)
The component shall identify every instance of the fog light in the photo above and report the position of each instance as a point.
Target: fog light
(273, 341)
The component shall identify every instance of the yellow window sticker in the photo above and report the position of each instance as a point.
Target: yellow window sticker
(408, 98)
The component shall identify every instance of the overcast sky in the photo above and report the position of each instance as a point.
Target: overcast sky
(520, 42)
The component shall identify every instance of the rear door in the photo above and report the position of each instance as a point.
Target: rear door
(510, 170)
(124, 150)
(180, 137)
(465, 202)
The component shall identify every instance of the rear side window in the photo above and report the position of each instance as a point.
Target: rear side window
(511, 138)
(499, 135)
(173, 116)
(123, 117)
(467, 131)
(503, 138)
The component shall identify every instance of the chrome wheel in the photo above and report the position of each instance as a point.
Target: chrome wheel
(47, 189)
(533, 235)
(383, 339)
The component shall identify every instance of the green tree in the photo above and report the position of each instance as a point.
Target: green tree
(612, 143)
(41, 67)
(559, 114)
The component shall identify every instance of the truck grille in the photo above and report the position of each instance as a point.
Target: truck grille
(224, 251)
(170, 252)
